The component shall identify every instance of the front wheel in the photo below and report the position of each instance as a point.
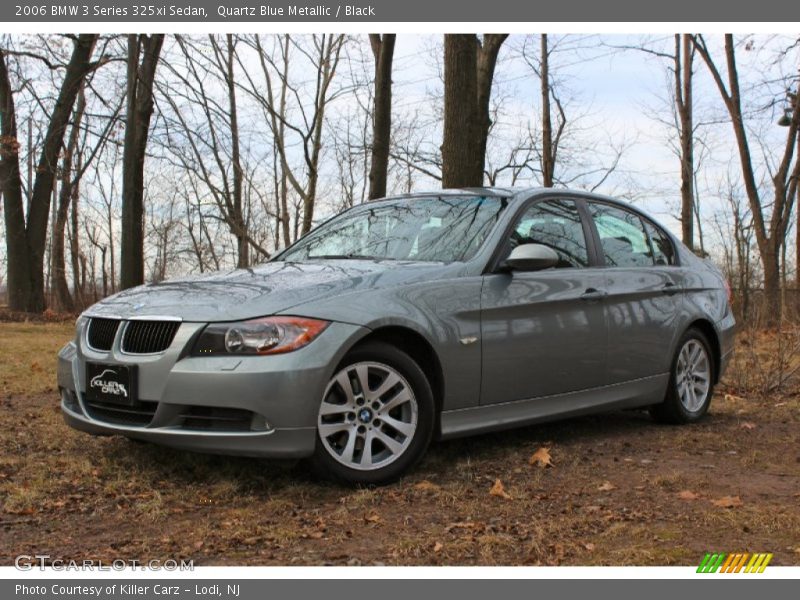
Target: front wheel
(691, 382)
(376, 417)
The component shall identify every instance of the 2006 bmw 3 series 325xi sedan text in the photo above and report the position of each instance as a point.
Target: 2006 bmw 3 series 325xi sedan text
(402, 320)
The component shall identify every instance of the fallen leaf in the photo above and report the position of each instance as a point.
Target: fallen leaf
(589, 546)
(688, 495)
(437, 547)
(728, 502)
(606, 486)
(541, 457)
(558, 550)
(22, 511)
(198, 544)
(747, 425)
(426, 485)
(733, 398)
(779, 404)
(499, 490)
(463, 525)
(372, 518)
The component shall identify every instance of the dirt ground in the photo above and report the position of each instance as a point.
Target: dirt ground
(621, 489)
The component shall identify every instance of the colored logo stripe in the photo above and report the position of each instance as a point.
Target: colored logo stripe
(735, 562)
(711, 562)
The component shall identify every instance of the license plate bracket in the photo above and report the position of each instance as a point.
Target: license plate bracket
(114, 384)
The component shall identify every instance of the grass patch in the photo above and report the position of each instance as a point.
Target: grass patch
(616, 495)
(28, 356)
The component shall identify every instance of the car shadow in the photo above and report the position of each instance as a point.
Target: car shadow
(267, 476)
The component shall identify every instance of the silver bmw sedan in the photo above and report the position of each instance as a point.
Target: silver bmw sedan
(424, 316)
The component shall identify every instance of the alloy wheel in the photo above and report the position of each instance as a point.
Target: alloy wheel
(368, 416)
(693, 375)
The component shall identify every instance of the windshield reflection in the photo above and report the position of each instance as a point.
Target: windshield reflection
(435, 229)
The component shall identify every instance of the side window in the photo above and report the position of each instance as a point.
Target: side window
(622, 236)
(663, 250)
(557, 224)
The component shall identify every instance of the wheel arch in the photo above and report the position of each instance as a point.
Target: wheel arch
(708, 329)
(419, 349)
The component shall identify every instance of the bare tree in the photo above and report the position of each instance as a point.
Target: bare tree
(143, 53)
(469, 66)
(69, 189)
(323, 54)
(383, 51)
(550, 138)
(242, 245)
(554, 152)
(79, 153)
(681, 120)
(26, 238)
(684, 107)
(209, 149)
(770, 235)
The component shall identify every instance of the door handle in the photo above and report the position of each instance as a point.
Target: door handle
(670, 289)
(593, 294)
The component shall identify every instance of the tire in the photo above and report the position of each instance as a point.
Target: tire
(392, 413)
(689, 391)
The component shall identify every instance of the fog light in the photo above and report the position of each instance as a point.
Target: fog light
(69, 401)
(260, 423)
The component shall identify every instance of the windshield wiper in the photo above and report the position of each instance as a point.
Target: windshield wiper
(344, 257)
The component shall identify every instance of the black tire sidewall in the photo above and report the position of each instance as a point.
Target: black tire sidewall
(380, 352)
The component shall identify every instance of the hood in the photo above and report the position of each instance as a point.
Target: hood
(267, 289)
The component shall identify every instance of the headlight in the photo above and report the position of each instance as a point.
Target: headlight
(270, 335)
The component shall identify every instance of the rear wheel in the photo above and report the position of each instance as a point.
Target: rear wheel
(376, 417)
(691, 383)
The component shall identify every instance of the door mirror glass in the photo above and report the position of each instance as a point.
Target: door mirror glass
(531, 257)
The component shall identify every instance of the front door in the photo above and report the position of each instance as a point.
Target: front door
(544, 332)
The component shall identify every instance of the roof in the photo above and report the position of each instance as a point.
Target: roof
(521, 193)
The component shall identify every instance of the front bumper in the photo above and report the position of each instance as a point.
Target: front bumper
(275, 399)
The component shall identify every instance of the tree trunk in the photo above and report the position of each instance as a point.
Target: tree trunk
(684, 54)
(18, 265)
(460, 146)
(242, 244)
(769, 238)
(67, 192)
(78, 290)
(772, 287)
(548, 151)
(486, 62)
(26, 245)
(468, 75)
(383, 50)
(137, 126)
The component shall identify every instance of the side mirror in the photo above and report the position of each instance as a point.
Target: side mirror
(531, 257)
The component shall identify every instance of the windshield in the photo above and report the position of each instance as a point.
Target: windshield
(442, 229)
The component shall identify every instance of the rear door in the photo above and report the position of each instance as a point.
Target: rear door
(544, 332)
(643, 292)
